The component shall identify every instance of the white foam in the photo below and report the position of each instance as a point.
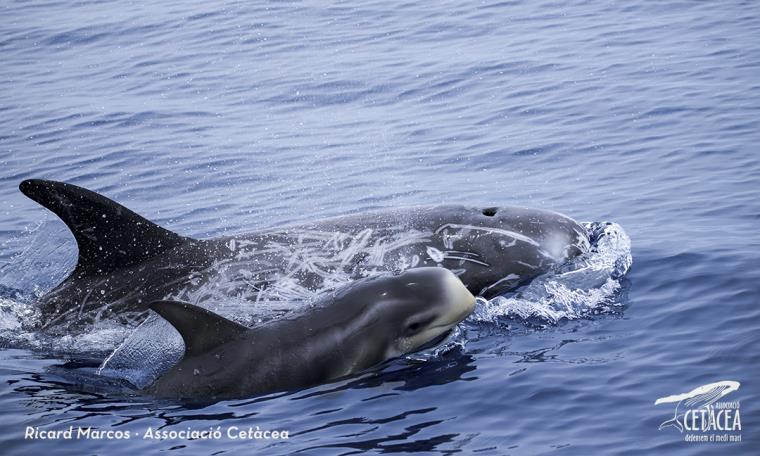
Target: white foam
(586, 285)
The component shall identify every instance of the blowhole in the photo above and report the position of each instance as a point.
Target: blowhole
(490, 211)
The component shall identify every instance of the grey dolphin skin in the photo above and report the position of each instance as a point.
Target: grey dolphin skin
(362, 325)
(125, 261)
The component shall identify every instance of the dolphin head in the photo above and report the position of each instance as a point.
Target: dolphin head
(498, 248)
(404, 312)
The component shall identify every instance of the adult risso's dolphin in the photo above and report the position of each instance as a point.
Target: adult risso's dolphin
(366, 323)
(126, 261)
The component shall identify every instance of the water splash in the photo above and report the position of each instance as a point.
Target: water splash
(584, 286)
(153, 348)
(37, 259)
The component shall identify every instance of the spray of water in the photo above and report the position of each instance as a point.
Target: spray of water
(587, 285)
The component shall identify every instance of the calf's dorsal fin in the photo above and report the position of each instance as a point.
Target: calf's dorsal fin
(201, 329)
(109, 236)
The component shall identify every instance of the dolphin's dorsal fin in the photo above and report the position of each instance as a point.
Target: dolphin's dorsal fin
(201, 329)
(109, 235)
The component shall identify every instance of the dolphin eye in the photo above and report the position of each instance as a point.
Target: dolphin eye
(490, 211)
(416, 325)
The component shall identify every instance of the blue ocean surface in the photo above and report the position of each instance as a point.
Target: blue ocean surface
(218, 118)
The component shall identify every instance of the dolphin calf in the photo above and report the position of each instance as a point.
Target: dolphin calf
(125, 261)
(362, 325)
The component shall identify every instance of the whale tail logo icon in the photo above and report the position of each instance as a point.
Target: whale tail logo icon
(672, 422)
(700, 397)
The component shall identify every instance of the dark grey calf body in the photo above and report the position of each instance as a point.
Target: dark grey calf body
(363, 324)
